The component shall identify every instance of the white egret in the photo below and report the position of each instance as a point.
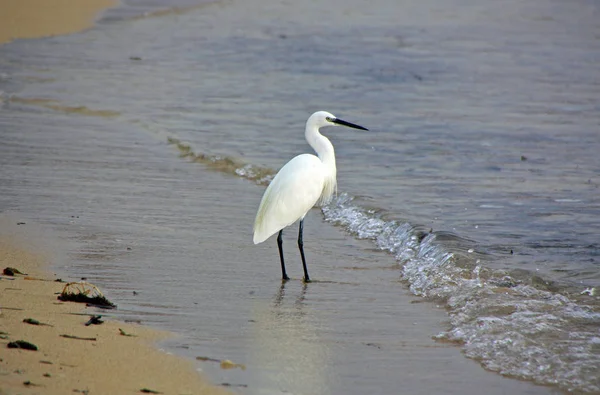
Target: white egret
(305, 181)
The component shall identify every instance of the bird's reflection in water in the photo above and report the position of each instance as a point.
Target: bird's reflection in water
(278, 300)
(289, 355)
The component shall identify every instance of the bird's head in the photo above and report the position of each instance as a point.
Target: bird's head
(323, 118)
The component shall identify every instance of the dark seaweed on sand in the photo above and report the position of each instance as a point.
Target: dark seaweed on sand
(81, 298)
(11, 271)
(22, 344)
(84, 292)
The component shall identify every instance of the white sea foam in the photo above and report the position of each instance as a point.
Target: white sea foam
(508, 325)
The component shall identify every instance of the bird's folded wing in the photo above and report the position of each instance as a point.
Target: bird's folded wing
(293, 191)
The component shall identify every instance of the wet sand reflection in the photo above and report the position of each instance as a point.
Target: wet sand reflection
(288, 347)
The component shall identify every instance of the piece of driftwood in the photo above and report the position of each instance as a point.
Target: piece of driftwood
(123, 333)
(22, 344)
(234, 385)
(209, 359)
(33, 321)
(84, 292)
(94, 320)
(227, 364)
(149, 391)
(224, 363)
(78, 337)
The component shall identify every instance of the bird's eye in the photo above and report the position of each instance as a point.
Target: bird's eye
(329, 119)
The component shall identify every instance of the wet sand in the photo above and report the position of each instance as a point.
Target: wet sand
(112, 363)
(39, 18)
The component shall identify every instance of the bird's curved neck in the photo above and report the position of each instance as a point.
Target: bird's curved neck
(321, 145)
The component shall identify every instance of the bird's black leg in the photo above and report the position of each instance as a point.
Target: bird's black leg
(284, 276)
(301, 247)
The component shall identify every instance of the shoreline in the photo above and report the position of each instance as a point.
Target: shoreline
(112, 363)
(40, 18)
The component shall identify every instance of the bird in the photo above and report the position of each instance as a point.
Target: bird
(303, 182)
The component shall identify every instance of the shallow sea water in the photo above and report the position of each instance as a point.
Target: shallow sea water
(477, 188)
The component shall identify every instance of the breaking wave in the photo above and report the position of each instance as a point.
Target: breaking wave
(501, 320)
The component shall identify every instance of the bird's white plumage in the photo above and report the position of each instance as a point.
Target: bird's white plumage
(294, 190)
(304, 181)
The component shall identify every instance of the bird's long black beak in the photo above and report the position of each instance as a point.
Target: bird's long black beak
(350, 125)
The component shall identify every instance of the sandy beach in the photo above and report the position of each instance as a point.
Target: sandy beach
(110, 363)
(38, 18)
